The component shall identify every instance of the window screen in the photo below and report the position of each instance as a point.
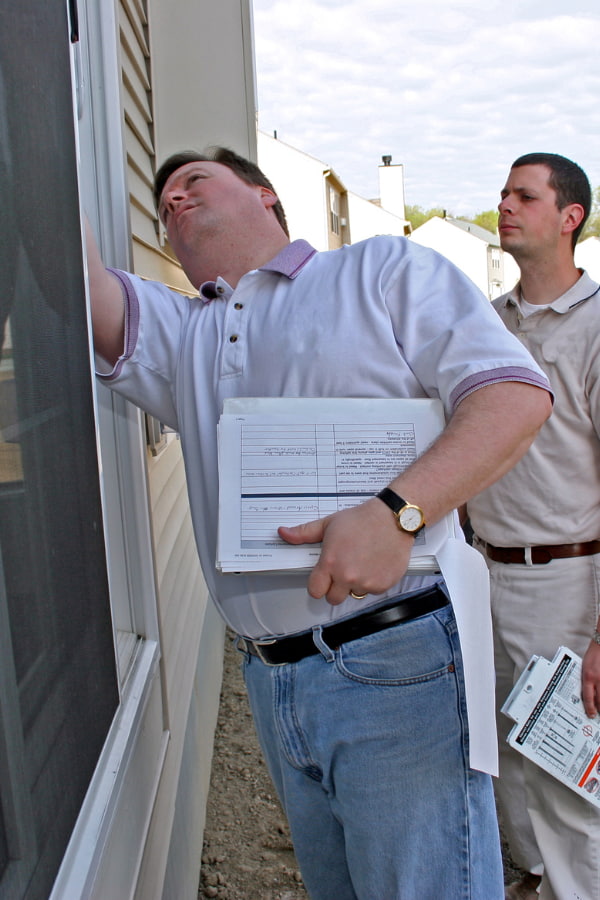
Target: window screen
(58, 685)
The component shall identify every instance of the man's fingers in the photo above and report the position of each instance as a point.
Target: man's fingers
(590, 694)
(319, 583)
(590, 680)
(361, 551)
(307, 533)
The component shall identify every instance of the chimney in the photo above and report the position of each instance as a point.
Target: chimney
(391, 187)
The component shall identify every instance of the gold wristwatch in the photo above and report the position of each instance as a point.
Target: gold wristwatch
(409, 517)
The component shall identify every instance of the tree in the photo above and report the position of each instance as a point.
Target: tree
(487, 220)
(592, 226)
(416, 215)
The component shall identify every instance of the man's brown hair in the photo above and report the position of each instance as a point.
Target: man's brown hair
(243, 168)
(567, 179)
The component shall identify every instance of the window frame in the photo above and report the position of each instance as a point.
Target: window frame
(134, 752)
(121, 426)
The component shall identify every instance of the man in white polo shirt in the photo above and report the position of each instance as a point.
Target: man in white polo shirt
(539, 527)
(354, 674)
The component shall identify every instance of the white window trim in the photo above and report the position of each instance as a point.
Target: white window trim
(102, 803)
(123, 480)
(121, 432)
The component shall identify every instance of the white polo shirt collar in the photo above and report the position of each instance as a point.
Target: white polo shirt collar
(289, 262)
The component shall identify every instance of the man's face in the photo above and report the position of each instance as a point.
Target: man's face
(207, 199)
(529, 217)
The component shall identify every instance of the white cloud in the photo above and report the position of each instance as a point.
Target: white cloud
(455, 93)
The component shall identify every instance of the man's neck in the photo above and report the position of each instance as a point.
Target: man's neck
(542, 282)
(231, 262)
(261, 255)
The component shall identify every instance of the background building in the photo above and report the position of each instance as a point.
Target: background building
(587, 256)
(318, 206)
(474, 250)
(320, 209)
(478, 254)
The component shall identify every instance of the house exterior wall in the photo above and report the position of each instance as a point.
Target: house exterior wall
(181, 874)
(140, 834)
(191, 109)
(203, 66)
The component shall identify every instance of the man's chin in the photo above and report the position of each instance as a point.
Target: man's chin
(509, 240)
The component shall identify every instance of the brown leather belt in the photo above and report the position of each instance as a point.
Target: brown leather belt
(539, 555)
(281, 651)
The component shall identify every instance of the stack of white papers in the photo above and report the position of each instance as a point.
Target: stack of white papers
(285, 461)
(552, 728)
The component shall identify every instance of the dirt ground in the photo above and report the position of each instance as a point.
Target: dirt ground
(248, 853)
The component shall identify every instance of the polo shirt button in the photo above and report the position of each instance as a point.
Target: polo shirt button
(220, 289)
(238, 305)
(233, 338)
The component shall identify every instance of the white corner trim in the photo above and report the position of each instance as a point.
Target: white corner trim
(92, 829)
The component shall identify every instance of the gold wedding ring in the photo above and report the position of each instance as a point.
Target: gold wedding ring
(357, 596)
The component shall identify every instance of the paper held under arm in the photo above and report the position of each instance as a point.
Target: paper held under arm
(467, 580)
(285, 461)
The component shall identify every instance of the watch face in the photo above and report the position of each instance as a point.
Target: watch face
(410, 518)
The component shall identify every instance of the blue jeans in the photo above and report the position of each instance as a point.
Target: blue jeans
(367, 747)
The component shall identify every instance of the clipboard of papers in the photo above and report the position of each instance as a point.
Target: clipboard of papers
(551, 727)
(285, 461)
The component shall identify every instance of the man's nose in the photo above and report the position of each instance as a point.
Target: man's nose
(505, 205)
(174, 195)
(171, 197)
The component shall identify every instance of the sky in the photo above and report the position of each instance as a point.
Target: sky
(455, 90)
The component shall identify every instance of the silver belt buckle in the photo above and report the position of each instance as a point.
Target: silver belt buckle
(258, 644)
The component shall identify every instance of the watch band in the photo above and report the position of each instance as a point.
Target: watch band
(392, 499)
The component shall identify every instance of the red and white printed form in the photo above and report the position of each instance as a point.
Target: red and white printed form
(551, 727)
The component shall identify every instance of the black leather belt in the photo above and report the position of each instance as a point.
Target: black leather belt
(279, 651)
(540, 555)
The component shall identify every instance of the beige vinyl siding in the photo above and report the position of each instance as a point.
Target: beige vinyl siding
(191, 680)
(149, 258)
(190, 683)
(139, 123)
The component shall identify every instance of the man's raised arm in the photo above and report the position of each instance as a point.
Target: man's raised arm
(108, 311)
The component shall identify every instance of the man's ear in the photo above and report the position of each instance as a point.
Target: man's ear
(268, 198)
(572, 214)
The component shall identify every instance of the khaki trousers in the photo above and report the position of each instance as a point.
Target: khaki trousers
(536, 609)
